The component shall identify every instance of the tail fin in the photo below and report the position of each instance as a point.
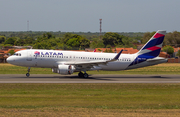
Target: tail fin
(153, 47)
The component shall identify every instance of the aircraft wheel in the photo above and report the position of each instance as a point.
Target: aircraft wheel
(80, 74)
(27, 74)
(86, 75)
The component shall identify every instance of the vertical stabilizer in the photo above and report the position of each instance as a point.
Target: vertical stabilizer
(153, 47)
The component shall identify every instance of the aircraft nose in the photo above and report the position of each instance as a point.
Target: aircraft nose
(10, 60)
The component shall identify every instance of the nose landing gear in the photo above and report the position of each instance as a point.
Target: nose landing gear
(27, 74)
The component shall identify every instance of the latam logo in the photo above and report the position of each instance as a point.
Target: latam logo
(48, 53)
(37, 53)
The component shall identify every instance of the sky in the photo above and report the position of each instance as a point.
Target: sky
(84, 15)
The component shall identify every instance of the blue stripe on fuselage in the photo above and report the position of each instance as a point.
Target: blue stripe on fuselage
(144, 57)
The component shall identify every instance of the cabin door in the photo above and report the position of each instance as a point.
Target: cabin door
(29, 56)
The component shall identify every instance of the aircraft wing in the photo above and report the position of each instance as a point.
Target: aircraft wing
(90, 64)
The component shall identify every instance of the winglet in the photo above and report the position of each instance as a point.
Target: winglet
(116, 57)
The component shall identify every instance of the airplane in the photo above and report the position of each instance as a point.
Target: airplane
(68, 62)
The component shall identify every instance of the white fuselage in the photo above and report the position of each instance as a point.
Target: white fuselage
(53, 58)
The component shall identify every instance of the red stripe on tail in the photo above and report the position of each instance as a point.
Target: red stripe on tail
(158, 35)
(153, 48)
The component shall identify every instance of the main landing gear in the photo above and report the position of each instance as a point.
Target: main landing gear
(81, 75)
(27, 74)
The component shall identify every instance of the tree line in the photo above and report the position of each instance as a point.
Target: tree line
(80, 41)
(69, 41)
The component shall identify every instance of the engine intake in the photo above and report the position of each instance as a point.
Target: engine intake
(64, 69)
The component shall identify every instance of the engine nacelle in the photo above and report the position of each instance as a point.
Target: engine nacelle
(64, 69)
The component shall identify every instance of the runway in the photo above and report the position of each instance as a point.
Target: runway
(56, 78)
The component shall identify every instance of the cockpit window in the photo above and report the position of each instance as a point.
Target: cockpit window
(17, 54)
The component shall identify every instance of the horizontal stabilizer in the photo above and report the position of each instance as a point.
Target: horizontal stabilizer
(155, 59)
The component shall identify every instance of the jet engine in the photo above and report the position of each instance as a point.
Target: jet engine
(64, 69)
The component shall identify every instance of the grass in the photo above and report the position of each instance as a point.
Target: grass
(166, 68)
(12, 69)
(89, 99)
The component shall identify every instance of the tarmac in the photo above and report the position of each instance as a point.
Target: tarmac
(56, 78)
